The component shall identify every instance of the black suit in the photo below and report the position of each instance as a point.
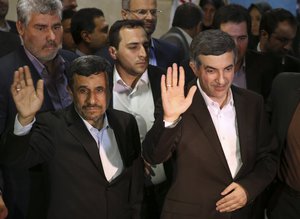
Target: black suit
(165, 53)
(16, 183)
(283, 102)
(154, 194)
(202, 171)
(176, 37)
(77, 184)
(9, 42)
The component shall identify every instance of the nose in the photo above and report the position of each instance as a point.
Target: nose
(51, 35)
(288, 46)
(91, 98)
(220, 79)
(149, 15)
(143, 52)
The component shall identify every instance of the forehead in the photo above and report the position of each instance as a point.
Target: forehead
(218, 62)
(286, 27)
(38, 18)
(234, 29)
(142, 4)
(94, 80)
(133, 35)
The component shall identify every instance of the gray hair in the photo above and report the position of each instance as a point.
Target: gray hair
(125, 4)
(211, 42)
(26, 7)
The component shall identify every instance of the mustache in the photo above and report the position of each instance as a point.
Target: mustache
(50, 43)
(91, 106)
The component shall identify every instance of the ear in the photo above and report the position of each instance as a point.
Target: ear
(113, 52)
(194, 68)
(20, 27)
(70, 92)
(125, 14)
(264, 35)
(85, 36)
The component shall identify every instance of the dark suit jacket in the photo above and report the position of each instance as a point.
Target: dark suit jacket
(16, 188)
(176, 37)
(166, 54)
(284, 98)
(77, 184)
(9, 42)
(202, 170)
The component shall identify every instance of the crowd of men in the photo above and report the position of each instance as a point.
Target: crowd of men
(107, 121)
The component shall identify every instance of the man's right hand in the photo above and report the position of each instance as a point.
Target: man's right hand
(3, 209)
(28, 100)
(172, 92)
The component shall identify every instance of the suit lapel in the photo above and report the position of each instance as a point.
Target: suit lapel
(242, 116)
(78, 129)
(203, 118)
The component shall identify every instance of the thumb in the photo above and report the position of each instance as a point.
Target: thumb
(190, 95)
(229, 189)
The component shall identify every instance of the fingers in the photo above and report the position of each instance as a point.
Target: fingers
(28, 79)
(40, 89)
(235, 198)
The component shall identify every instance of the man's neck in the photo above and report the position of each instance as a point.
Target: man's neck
(129, 79)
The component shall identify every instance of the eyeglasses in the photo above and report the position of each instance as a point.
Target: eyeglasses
(144, 12)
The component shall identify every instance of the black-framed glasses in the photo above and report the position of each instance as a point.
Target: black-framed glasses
(144, 12)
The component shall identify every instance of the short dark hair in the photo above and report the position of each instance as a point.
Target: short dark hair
(84, 20)
(216, 3)
(232, 13)
(114, 32)
(211, 42)
(87, 66)
(67, 14)
(187, 16)
(271, 18)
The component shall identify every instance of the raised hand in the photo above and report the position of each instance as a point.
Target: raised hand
(172, 92)
(28, 100)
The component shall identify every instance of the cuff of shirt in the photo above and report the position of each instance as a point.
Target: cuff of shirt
(20, 130)
(172, 124)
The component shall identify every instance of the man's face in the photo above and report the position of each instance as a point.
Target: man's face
(281, 40)
(68, 42)
(145, 10)
(3, 8)
(238, 32)
(42, 36)
(132, 55)
(215, 75)
(209, 12)
(98, 38)
(90, 97)
(69, 4)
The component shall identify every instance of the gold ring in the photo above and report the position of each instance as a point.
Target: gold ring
(18, 89)
(169, 85)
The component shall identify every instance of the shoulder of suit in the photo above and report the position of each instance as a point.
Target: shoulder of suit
(245, 93)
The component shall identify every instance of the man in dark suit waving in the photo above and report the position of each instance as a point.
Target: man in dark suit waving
(92, 155)
(218, 136)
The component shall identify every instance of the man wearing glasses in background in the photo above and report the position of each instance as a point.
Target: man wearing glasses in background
(278, 30)
(162, 54)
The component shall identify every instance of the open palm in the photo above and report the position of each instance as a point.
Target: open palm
(173, 99)
(28, 100)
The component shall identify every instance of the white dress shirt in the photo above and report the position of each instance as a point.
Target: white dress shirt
(139, 102)
(226, 126)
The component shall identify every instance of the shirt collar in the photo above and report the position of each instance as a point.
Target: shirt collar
(120, 86)
(40, 67)
(7, 27)
(92, 128)
(210, 102)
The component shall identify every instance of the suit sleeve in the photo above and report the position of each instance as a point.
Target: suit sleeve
(28, 150)
(160, 142)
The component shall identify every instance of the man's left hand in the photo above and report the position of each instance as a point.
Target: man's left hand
(235, 198)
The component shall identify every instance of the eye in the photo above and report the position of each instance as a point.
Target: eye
(142, 12)
(229, 69)
(100, 89)
(57, 27)
(242, 38)
(83, 90)
(210, 70)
